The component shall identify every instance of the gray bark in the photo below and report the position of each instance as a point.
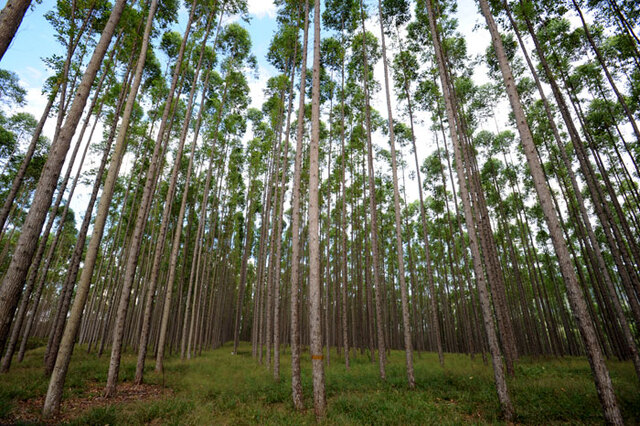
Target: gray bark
(404, 295)
(141, 218)
(296, 381)
(315, 286)
(54, 392)
(576, 298)
(164, 225)
(498, 369)
(13, 281)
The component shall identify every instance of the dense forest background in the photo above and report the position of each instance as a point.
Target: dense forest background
(391, 191)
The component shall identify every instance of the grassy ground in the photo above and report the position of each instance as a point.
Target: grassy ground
(220, 388)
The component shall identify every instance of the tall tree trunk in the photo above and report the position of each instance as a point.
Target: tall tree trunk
(605, 68)
(296, 381)
(315, 286)
(196, 258)
(175, 247)
(404, 295)
(164, 225)
(33, 275)
(17, 180)
(343, 222)
(248, 240)
(280, 214)
(603, 270)
(13, 281)
(498, 371)
(425, 234)
(56, 384)
(141, 218)
(378, 271)
(576, 298)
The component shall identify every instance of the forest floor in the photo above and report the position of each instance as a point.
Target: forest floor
(221, 388)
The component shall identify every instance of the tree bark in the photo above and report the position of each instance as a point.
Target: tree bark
(378, 271)
(10, 20)
(175, 247)
(576, 298)
(315, 286)
(17, 180)
(33, 275)
(296, 381)
(498, 371)
(343, 223)
(13, 281)
(404, 295)
(54, 391)
(141, 217)
(164, 225)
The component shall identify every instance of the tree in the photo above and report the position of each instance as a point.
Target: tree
(315, 288)
(14, 278)
(56, 383)
(10, 19)
(501, 385)
(406, 322)
(141, 218)
(296, 381)
(600, 372)
(375, 249)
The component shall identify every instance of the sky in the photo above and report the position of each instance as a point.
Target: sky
(35, 40)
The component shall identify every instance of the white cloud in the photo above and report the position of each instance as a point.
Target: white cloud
(35, 74)
(257, 86)
(262, 8)
(35, 105)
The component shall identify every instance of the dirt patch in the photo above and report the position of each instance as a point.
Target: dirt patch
(30, 411)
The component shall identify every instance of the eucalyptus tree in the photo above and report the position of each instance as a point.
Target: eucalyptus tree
(590, 240)
(296, 381)
(605, 68)
(10, 19)
(175, 247)
(267, 130)
(406, 70)
(235, 47)
(159, 249)
(576, 298)
(274, 109)
(332, 54)
(284, 54)
(14, 279)
(338, 15)
(73, 24)
(116, 101)
(449, 98)
(256, 152)
(143, 211)
(315, 287)
(54, 392)
(96, 109)
(406, 322)
(370, 54)
(549, 42)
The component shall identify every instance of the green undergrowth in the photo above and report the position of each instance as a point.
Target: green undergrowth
(221, 388)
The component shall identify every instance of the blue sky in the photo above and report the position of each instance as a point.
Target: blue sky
(35, 40)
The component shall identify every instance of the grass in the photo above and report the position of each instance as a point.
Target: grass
(220, 388)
